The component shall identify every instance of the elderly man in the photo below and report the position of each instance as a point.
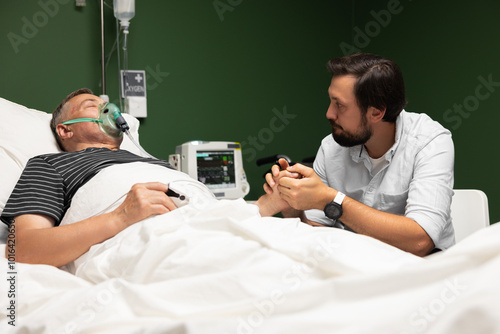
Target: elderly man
(48, 183)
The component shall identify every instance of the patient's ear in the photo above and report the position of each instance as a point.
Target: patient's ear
(63, 131)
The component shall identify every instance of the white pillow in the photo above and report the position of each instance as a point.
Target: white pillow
(26, 133)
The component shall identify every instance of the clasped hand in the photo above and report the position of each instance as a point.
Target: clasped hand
(297, 187)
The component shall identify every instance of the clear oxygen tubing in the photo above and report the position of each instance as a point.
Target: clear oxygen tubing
(112, 123)
(127, 132)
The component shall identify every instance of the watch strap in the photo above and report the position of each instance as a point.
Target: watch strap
(339, 198)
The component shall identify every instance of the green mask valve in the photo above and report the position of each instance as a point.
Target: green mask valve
(113, 124)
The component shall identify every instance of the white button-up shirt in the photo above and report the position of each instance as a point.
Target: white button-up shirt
(416, 180)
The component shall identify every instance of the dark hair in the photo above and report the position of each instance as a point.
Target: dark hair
(379, 82)
(58, 114)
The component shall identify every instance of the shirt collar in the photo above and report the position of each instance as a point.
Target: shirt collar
(359, 153)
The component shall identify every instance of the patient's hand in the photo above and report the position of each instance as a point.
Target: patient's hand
(272, 179)
(144, 200)
(272, 203)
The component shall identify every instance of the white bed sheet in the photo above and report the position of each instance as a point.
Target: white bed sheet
(218, 267)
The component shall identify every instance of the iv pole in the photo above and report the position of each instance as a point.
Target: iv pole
(103, 60)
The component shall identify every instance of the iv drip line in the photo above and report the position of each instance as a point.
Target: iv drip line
(124, 24)
(124, 10)
(125, 60)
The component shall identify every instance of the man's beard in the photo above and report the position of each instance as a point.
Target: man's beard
(346, 139)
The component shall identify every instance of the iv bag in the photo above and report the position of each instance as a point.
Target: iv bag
(124, 9)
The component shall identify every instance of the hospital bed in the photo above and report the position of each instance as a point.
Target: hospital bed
(217, 266)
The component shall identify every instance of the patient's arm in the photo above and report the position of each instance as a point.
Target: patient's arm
(38, 241)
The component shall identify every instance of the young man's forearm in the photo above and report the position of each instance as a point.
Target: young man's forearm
(399, 231)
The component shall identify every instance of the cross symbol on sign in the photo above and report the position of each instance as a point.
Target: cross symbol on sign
(138, 78)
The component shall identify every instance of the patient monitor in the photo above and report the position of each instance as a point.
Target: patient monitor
(217, 164)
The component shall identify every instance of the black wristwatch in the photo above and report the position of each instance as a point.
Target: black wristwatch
(333, 210)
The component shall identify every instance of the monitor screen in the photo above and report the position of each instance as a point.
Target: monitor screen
(216, 164)
(216, 169)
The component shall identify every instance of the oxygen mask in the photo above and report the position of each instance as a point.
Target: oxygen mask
(113, 124)
(110, 120)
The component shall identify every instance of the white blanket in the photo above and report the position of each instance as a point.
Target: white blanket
(218, 267)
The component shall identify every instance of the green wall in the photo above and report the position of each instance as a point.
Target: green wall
(226, 73)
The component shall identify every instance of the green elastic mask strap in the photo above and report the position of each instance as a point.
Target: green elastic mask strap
(80, 120)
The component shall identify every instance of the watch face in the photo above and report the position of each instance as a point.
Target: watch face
(333, 211)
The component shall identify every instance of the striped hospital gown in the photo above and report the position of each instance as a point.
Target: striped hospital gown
(49, 182)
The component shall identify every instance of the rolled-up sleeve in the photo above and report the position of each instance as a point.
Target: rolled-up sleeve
(431, 190)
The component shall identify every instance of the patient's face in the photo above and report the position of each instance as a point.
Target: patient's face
(87, 106)
(84, 105)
